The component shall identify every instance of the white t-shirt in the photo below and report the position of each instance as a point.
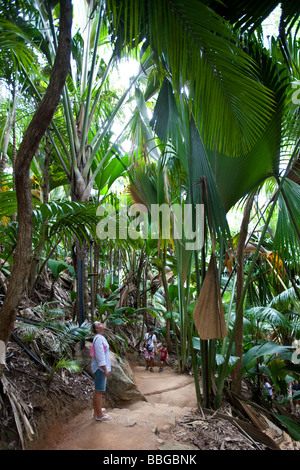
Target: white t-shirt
(150, 340)
(269, 388)
(102, 354)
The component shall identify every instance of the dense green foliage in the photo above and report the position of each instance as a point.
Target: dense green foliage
(211, 116)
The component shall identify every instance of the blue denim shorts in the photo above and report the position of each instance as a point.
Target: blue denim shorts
(100, 380)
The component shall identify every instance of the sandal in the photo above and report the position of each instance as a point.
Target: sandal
(103, 418)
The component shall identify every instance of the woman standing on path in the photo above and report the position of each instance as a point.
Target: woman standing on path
(101, 367)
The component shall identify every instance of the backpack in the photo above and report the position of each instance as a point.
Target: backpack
(92, 349)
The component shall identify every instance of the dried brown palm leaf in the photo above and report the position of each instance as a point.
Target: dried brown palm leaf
(19, 408)
(157, 282)
(208, 313)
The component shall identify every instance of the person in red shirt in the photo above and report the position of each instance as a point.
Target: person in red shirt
(163, 357)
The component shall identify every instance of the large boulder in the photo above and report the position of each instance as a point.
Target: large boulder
(120, 384)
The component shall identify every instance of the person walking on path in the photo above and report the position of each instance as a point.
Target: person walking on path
(150, 345)
(163, 357)
(295, 388)
(269, 390)
(101, 367)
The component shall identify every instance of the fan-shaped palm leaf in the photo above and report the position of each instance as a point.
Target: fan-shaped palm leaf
(287, 235)
(232, 176)
(197, 48)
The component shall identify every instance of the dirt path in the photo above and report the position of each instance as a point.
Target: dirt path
(144, 425)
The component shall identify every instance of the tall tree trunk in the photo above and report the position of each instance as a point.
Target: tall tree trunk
(78, 194)
(168, 303)
(28, 147)
(46, 173)
(81, 269)
(237, 371)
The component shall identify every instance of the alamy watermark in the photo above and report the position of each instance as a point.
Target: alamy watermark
(185, 223)
(296, 354)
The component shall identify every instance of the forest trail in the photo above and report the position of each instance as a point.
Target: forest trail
(144, 425)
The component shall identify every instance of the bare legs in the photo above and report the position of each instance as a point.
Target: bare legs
(150, 363)
(97, 404)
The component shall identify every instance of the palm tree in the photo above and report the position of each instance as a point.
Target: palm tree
(220, 105)
(90, 107)
(208, 155)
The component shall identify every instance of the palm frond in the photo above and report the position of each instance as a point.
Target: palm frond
(285, 299)
(265, 348)
(287, 235)
(71, 219)
(197, 49)
(249, 14)
(233, 178)
(270, 315)
(17, 50)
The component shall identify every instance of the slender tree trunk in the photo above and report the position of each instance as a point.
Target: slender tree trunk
(28, 147)
(78, 186)
(80, 257)
(138, 280)
(14, 156)
(237, 371)
(96, 271)
(168, 303)
(46, 174)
